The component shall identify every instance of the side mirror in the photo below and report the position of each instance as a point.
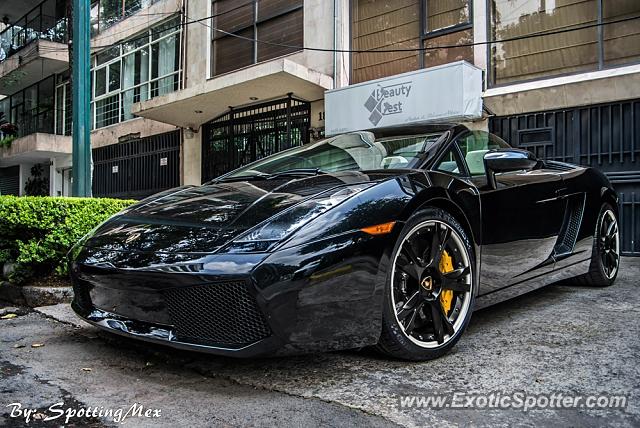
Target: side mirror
(506, 160)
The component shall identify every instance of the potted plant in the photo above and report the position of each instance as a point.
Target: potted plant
(8, 132)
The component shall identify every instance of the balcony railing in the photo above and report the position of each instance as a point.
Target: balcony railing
(46, 21)
(48, 121)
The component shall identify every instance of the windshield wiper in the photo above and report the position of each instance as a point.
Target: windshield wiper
(294, 172)
(240, 178)
(264, 176)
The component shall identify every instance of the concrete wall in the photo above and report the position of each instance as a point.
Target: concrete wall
(318, 33)
(110, 134)
(197, 38)
(564, 92)
(59, 183)
(190, 166)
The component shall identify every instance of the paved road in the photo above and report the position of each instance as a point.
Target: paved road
(561, 339)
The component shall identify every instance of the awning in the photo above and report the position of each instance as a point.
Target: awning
(191, 107)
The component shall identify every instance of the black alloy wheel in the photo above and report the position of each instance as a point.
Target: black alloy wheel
(605, 257)
(609, 241)
(431, 287)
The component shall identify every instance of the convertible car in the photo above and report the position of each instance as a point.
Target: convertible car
(388, 239)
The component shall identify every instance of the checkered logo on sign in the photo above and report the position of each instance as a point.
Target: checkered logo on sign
(387, 100)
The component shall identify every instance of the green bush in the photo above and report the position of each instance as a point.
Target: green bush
(37, 232)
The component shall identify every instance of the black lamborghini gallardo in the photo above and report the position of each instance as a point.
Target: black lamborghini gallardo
(389, 239)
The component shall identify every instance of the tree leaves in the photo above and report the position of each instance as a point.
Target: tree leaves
(37, 232)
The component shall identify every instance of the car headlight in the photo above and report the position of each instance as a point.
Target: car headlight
(75, 249)
(280, 226)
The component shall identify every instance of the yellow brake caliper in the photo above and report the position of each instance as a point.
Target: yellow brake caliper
(446, 296)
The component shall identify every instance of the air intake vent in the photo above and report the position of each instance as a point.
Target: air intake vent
(216, 314)
(559, 166)
(571, 226)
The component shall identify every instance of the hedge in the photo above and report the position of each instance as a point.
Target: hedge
(37, 232)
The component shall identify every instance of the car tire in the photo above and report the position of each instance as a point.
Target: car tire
(599, 275)
(395, 341)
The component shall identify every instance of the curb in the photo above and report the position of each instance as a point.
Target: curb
(33, 296)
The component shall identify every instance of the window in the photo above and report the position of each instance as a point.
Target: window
(451, 163)
(357, 151)
(446, 15)
(63, 106)
(144, 67)
(581, 50)
(408, 24)
(33, 109)
(447, 23)
(475, 145)
(105, 13)
(621, 41)
(277, 23)
(384, 25)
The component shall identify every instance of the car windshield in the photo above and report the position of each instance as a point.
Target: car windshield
(357, 151)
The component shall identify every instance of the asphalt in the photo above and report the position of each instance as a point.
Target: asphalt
(561, 339)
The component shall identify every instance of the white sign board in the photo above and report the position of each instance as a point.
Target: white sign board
(447, 93)
(114, 169)
(163, 161)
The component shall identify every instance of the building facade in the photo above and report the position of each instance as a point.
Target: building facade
(137, 48)
(34, 64)
(185, 90)
(249, 89)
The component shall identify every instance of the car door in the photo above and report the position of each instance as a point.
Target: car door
(521, 217)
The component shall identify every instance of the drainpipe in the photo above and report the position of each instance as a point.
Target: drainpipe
(335, 43)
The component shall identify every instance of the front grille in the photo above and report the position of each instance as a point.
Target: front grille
(223, 313)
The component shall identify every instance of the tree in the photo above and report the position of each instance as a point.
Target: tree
(37, 185)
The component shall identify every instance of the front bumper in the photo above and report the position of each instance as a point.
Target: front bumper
(325, 295)
(166, 335)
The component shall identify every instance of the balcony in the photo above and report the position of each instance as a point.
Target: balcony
(38, 138)
(42, 115)
(15, 9)
(191, 107)
(33, 47)
(35, 148)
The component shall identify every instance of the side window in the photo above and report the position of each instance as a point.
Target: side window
(475, 145)
(451, 162)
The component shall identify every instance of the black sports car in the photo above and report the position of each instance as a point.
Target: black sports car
(390, 239)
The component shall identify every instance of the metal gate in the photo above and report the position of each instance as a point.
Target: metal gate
(243, 135)
(604, 136)
(138, 167)
(10, 180)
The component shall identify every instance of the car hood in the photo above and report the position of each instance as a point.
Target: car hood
(201, 219)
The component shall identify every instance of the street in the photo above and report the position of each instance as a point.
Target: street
(566, 339)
